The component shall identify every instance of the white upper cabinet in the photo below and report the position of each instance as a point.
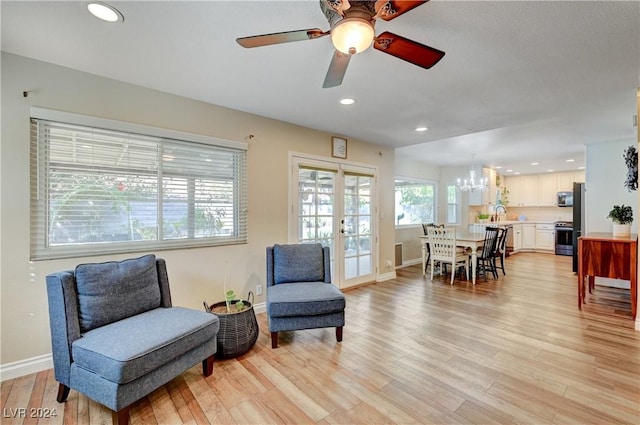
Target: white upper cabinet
(523, 190)
(547, 189)
(540, 189)
(529, 189)
(566, 180)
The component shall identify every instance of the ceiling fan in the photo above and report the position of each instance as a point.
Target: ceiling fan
(352, 31)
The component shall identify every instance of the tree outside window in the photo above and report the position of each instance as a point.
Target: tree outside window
(415, 202)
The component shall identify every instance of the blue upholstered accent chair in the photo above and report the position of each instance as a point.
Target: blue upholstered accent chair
(299, 290)
(115, 335)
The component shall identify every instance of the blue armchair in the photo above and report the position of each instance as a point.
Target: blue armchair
(115, 335)
(299, 290)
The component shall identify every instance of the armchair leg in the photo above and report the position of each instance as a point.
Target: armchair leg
(274, 339)
(207, 366)
(339, 333)
(63, 393)
(123, 416)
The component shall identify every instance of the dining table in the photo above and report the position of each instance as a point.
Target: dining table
(464, 239)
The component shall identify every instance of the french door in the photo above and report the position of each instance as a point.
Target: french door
(334, 204)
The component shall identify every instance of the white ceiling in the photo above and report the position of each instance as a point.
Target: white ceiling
(521, 81)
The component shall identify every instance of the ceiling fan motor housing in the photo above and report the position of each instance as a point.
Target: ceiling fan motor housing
(359, 9)
(354, 32)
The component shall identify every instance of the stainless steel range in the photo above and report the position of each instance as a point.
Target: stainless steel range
(564, 238)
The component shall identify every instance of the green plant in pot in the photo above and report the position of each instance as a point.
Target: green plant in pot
(622, 217)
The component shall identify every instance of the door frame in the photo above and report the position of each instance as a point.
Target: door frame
(340, 167)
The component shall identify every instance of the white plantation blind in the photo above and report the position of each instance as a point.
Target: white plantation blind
(96, 190)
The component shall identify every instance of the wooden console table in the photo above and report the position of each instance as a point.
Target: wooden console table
(603, 255)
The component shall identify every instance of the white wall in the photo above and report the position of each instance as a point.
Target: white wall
(195, 274)
(605, 176)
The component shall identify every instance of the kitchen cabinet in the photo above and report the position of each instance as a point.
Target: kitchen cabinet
(547, 190)
(529, 188)
(514, 186)
(566, 179)
(540, 189)
(545, 237)
(528, 236)
(517, 237)
(523, 190)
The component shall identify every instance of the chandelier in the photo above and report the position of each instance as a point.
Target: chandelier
(472, 183)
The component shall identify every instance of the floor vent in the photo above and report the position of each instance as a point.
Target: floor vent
(398, 254)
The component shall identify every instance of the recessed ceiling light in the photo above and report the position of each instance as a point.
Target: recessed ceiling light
(516, 173)
(347, 101)
(421, 129)
(550, 170)
(570, 160)
(105, 12)
(535, 163)
(497, 167)
(508, 171)
(580, 168)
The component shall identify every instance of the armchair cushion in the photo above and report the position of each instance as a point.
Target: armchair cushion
(304, 299)
(130, 348)
(298, 263)
(111, 291)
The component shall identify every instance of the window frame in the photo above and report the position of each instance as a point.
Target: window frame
(416, 181)
(456, 204)
(231, 155)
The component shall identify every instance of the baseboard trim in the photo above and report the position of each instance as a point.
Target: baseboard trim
(410, 263)
(260, 308)
(386, 276)
(25, 367)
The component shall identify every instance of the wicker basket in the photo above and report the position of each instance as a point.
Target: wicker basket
(238, 330)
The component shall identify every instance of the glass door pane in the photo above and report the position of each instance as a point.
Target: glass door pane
(316, 199)
(357, 228)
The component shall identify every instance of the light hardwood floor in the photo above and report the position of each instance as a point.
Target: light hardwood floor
(515, 350)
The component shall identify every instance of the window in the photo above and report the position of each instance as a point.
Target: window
(96, 190)
(415, 202)
(453, 207)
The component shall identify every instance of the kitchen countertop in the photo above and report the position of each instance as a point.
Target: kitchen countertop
(508, 222)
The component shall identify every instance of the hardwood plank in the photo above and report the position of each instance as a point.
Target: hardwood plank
(5, 389)
(50, 404)
(34, 407)
(15, 410)
(164, 409)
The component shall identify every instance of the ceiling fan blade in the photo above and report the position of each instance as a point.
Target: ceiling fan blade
(337, 69)
(280, 37)
(391, 9)
(408, 50)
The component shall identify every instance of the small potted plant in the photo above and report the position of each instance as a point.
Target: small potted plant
(483, 217)
(622, 217)
(238, 324)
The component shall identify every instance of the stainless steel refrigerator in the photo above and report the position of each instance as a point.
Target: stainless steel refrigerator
(578, 219)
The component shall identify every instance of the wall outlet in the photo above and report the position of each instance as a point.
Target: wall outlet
(389, 264)
(258, 289)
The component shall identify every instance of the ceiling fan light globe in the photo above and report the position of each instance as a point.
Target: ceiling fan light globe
(352, 34)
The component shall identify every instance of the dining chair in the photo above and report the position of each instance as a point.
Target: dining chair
(442, 242)
(485, 256)
(500, 252)
(425, 226)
